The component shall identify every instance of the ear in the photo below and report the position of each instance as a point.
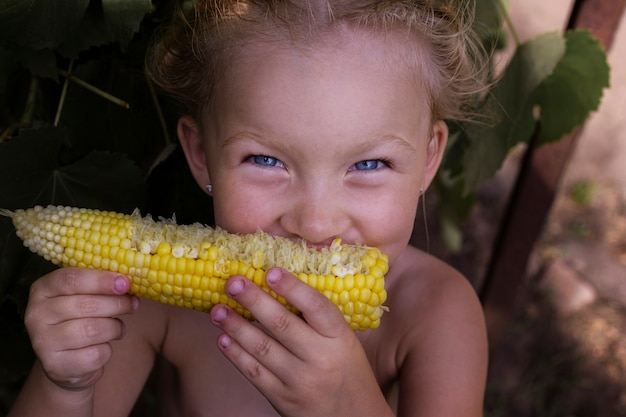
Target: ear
(193, 147)
(434, 151)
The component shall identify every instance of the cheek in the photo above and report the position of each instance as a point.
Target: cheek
(241, 211)
(389, 227)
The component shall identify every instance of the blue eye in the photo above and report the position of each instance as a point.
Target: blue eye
(368, 165)
(266, 161)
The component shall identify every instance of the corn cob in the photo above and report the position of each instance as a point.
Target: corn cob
(188, 265)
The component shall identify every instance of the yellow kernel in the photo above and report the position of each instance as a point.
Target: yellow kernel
(348, 308)
(321, 282)
(204, 283)
(178, 280)
(348, 282)
(344, 297)
(250, 273)
(377, 271)
(330, 282)
(208, 269)
(376, 315)
(190, 266)
(167, 289)
(379, 285)
(170, 267)
(114, 241)
(114, 266)
(94, 237)
(198, 267)
(181, 265)
(213, 253)
(204, 251)
(164, 248)
(139, 259)
(233, 267)
(359, 280)
(365, 295)
(162, 277)
(359, 307)
(88, 258)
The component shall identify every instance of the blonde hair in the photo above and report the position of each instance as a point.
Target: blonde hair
(193, 55)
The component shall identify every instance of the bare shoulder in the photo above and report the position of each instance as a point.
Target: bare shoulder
(436, 327)
(421, 283)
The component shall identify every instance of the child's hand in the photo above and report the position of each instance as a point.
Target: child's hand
(307, 368)
(70, 321)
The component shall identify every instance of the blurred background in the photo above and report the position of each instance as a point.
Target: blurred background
(564, 352)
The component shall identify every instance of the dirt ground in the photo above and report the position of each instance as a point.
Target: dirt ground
(565, 351)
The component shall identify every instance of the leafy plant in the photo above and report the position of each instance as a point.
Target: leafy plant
(80, 125)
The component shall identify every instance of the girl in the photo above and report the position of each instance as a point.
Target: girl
(313, 120)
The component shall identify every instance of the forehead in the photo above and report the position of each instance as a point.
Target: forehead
(393, 56)
(346, 86)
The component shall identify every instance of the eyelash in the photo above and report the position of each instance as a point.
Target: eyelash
(383, 163)
(258, 159)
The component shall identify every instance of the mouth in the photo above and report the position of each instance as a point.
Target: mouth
(329, 243)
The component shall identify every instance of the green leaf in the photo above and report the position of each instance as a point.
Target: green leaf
(575, 87)
(30, 174)
(92, 31)
(510, 105)
(124, 17)
(38, 24)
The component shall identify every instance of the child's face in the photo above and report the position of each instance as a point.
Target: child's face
(315, 146)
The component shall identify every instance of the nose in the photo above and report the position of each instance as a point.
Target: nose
(316, 216)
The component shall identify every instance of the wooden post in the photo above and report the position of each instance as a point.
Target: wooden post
(535, 190)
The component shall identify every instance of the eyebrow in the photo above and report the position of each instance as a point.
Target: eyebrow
(374, 142)
(394, 140)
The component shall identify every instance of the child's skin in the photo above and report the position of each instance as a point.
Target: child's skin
(310, 143)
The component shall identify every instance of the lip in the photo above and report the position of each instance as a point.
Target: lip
(321, 245)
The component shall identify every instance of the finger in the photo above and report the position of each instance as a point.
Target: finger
(74, 368)
(318, 311)
(284, 325)
(71, 281)
(254, 353)
(60, 309)
(81, 333)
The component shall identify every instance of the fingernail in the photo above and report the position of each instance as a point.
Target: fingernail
(120, 285)
(224, 341)
(235, 286)
(136, 302)
(273, 276)
(219, 313)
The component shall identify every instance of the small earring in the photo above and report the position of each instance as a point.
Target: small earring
(209, 188)
(421, 190)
